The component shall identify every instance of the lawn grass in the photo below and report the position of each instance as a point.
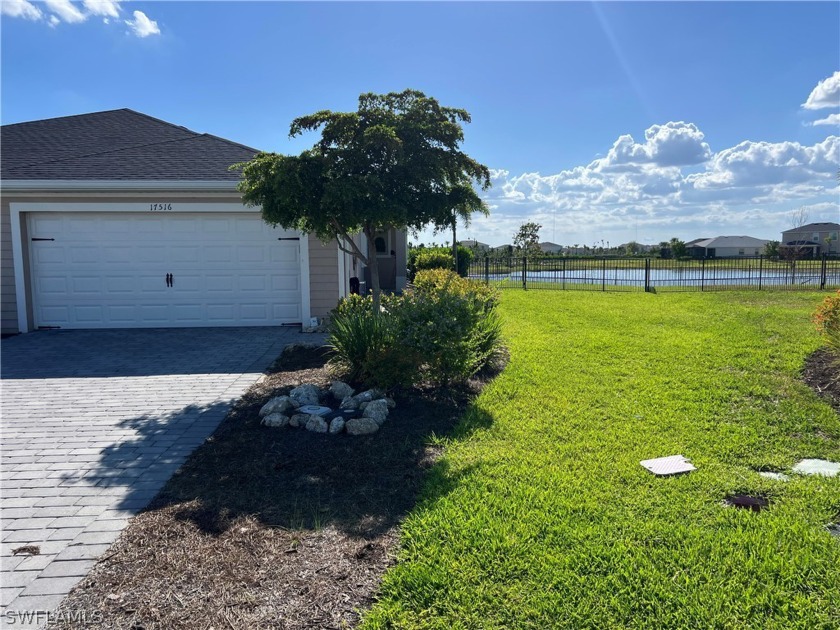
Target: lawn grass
(545, 519)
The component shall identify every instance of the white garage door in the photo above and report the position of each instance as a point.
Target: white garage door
(130, 270)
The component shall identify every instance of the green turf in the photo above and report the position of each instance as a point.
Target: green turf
(540, 516)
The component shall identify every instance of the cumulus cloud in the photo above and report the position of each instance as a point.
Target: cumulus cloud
(826, 94)
(831, 119)
(104, 8)
(142, 26)
(21, 9)
(671, 144)
(66, 11)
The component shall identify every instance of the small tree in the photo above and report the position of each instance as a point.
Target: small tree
(771, 249)
(678, 248)
(527, 239)
(395, 162)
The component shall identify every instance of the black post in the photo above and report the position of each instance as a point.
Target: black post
(525, 272)
(702, 273)
(647, 275)
(760, 270)
(564, 274)
(487, 269)
(822, 272)
(603, 274)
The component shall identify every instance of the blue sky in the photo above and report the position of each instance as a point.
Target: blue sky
(612, 121)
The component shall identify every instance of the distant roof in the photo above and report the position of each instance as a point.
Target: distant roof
(819, 227)
(472, 243)
(119, 144)
(730, 241)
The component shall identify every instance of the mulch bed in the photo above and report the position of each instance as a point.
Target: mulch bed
(822, 374)
(273, 528)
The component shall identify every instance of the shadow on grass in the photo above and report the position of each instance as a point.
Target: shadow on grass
(292, 478)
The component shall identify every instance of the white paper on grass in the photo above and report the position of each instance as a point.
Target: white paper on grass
(817, 467)
(664, 466)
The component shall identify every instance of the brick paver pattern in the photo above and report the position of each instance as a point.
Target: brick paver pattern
(93, 425)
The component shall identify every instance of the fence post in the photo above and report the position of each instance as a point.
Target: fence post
(702, 274)
(604, 274)
(564, 274)
(525, 272)
(822, 272)
(487, 269)
(647, 275)
(760, 270)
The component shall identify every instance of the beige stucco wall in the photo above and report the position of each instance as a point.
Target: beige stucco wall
(323, 276)
(8, 301)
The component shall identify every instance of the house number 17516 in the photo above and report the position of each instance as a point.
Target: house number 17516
(160, 207)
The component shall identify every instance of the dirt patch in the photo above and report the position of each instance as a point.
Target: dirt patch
(276, 528)
(822, 374)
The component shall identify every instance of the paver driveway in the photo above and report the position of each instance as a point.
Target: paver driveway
(93, 424)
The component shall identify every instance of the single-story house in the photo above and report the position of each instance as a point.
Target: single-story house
(813, 239)
(116, 219)
(551, 248)
(474, 245)
(726, 247)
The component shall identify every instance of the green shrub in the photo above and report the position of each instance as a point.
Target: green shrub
(827, 320)
(425, 258)
(444, 329)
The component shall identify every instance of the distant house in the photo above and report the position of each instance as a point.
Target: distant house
(726, 247)
(551, 248)
(812, 240)
(502, 250)
(474, 245)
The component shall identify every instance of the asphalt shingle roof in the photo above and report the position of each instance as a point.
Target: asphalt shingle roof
(115, 145)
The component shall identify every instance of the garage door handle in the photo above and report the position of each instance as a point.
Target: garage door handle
(169, 278)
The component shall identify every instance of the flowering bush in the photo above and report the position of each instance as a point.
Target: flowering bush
(444, 329)
(827, 320)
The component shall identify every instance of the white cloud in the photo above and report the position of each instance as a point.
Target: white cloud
(107, 8)
(53, 21)
(671, 144)
(831, 119)
(142, 26)
(826, 94)
(66, 10)
(20, 8)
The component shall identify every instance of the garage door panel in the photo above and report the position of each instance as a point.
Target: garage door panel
(109, 270)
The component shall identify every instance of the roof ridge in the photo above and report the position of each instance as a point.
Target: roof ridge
(87, 155)
(104, 111)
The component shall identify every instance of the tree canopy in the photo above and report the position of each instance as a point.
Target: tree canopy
(527, 239)
(395, 162)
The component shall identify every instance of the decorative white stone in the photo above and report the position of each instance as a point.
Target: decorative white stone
(317, 424)
(337, 425)
(298, 420)
(665, 466)
(305, 395)
(349, 403)
(275, 419)
(361, 426)
(340, 390)
(378, 410)
(278, 404)
(817, 467)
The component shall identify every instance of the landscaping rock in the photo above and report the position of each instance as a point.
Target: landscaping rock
(361, 426)
(315, 410)
(279, 404)
(369, 395)
(391, 403)
(305, 395)
(275, 419)
(340, 390)
(337, 425)
(363, 405)
(298, 420)
(349, 403)
(317, 424)
(378, 410)
(294, 347)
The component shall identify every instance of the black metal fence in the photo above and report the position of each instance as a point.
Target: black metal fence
(656, 274)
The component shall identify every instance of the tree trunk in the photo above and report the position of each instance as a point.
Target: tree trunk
(373, 265)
